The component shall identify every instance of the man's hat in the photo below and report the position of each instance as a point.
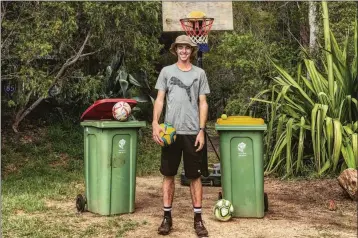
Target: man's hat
(183, 39)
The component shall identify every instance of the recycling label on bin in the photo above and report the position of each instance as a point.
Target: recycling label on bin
(121, 145)
(121, 150)
(243, 147)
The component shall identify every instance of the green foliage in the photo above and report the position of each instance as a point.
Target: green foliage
(118, 82)
(39, 37)
(342, 16)
(237, 64)
(314, 119)
(61, 135)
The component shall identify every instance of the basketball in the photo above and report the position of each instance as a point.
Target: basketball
(121, 111)
(223, 210)
(169, 135)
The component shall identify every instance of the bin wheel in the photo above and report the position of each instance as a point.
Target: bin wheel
(220, 196)
(265, 202)
(81, 203)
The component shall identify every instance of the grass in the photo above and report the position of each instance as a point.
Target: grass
(64, 225)
(42, 172)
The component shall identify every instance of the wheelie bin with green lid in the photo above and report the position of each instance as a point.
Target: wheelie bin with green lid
(242, 175)
(110, 154)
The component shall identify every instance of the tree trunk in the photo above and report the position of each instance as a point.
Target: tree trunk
(312, 19)
(15, 125)
(303, 27)
(22, 114)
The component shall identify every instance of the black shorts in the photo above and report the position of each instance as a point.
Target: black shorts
(171, 157)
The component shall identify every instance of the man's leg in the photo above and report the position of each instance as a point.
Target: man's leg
(168, 190)
(168, 194)
(170, 161)
(196, 190)
(192, 167)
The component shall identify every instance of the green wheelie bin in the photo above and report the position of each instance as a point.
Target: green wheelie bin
(110, 154)
(242, 175)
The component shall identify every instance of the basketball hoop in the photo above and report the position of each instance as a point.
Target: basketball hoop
(197, 26)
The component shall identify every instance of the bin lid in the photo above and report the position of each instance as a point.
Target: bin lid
(113, 124)
(240, 123)
(240, 120)
(102, 109)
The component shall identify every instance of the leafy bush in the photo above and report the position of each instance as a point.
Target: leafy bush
(314, 120)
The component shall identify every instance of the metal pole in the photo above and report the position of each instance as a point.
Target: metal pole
(204, 166)
(200, 59)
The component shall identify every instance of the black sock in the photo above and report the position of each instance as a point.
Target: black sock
(168, 212)
(197, 213)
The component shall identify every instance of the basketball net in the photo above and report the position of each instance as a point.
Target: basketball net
(198, 29)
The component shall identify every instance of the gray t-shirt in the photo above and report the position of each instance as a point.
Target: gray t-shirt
(182, 94)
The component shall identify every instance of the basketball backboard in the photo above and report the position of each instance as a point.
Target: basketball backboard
(220, 11)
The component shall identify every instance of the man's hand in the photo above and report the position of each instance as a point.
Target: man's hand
(156, 133)
(200, 139)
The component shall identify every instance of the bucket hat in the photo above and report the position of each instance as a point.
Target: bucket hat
(183, 39)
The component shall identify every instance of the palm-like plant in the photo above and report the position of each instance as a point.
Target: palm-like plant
(118, 82)
(315, 120)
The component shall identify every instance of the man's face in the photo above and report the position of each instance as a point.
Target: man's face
(184, 52)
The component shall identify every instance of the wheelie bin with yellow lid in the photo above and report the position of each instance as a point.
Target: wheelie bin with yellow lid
(242, 175)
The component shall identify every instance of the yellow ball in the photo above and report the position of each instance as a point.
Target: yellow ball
(224, 116)
(196, 14)
(169, 135)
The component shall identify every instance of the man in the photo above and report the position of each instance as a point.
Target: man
(185, 87)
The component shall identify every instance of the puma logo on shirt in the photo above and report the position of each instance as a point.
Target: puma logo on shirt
(179, 83)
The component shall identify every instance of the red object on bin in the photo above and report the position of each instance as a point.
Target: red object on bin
(102, 109)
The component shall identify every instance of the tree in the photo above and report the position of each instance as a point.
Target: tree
(52, 46)
(238, 60)
(312, 16)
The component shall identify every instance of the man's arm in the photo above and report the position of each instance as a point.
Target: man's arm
(157, 111)
(203, 110)
(203, 115)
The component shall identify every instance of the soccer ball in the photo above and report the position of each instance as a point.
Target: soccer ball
(121, 111)
(169, 135)
(223, 210)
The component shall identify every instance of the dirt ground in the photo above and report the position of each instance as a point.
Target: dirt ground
(296, 209)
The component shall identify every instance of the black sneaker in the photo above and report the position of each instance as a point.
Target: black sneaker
(166, 226)
(200, 229)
